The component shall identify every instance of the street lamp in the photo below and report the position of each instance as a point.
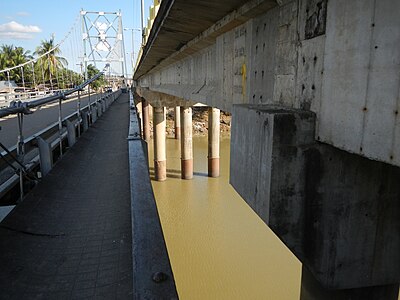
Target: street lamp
(133, 49)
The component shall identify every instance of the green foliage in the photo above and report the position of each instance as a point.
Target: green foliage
(92, 71)
(12, 56)
(51, 69)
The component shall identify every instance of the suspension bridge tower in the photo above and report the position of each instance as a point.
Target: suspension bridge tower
(103, 41)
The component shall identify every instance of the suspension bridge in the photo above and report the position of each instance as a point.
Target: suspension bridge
(98, 207)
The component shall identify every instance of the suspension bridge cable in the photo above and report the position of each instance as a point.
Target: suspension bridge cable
(46, 53)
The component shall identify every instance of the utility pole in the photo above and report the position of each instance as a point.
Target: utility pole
(143, 25)
(133, 47)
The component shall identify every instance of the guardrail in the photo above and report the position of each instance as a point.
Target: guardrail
(7, 98)
(45, 147)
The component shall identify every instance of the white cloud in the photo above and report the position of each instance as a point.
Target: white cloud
(16, 31)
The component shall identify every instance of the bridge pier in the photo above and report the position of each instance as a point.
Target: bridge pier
(311, 289)
(213, 141)
(160, 158)
(336, 211)
(146, 120)
(186, 143)
(177, 122)
(139, 108)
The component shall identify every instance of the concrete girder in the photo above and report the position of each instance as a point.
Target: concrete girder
(304, 54)
(226, 15)
(157, 99)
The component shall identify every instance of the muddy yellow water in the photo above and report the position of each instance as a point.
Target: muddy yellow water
(218, 247)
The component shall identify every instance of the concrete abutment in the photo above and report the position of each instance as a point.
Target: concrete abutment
(337, 212)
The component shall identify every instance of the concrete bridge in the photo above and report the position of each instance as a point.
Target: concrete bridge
(313, 87)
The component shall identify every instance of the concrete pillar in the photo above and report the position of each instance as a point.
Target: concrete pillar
(45, 156)
(186, 144)
(177, 122)
(213, 141)
(94, 114)
(71, 133)
(146, 121)
(139, 109)
(85, 121)
(99, 110)
(160, 158)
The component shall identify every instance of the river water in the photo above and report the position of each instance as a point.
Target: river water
(218, 247)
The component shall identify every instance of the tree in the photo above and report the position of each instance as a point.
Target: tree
(11, 56)
(92, 71)
(51, 62)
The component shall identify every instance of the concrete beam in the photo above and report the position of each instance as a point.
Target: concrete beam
(162, 99)
(235, 18)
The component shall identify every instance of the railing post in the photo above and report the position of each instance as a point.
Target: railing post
(85, 121)
(21, 153)
(45, 155)
(94, 114)
(89, 105)
(60, 125)
(79, 113)
(71, 133)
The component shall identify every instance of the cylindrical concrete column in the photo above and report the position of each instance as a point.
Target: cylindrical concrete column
(139, 108)
(186, 144)
(177, 122)
(213, 141)
(160, 158)
(146, 120)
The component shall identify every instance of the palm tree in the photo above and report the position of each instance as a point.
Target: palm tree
(50, 63)
(11, 56)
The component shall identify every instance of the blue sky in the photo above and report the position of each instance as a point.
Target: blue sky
(25, 22)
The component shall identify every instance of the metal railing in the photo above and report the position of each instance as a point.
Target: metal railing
(14, 158)
(6, 99)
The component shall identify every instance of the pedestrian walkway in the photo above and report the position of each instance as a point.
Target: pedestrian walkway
(71, 237)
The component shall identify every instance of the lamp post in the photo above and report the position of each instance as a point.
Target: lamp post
(133, 49)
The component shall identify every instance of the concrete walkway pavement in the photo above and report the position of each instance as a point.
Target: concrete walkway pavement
(71, 237)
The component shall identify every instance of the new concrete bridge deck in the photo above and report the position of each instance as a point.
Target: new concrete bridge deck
(72, 235)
